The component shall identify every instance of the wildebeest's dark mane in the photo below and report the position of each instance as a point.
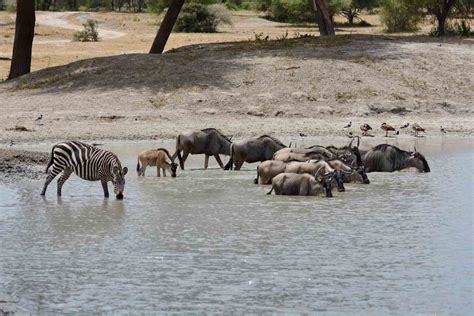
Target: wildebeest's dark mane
(274, 139)
(210, 129)
(384, 147)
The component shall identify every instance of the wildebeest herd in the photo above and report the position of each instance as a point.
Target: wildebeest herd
(306, 171)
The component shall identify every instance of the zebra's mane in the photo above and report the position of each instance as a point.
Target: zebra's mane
(212, 129)
(273, 138)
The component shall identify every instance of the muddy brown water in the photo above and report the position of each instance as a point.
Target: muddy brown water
(212, 241)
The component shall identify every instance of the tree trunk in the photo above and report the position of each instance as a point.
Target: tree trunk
(325, 24)
(24, 33)
(441, 25)
(166, 27)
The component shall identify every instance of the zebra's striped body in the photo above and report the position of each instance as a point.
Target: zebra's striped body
(88, 162)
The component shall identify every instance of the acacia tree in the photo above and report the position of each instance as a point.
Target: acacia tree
(166, 27)
(325, 25)
(440, 9)
(23, 43)
(352, 9)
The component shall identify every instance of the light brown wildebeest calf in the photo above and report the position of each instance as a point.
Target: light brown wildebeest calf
(160, 158)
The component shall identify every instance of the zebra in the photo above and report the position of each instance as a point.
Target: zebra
(89, 163)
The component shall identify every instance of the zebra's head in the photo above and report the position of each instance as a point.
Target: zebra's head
(119, 180)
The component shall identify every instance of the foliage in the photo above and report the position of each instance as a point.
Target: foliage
(352, 9)
(221, 13)
(401, 15)
(295, 11)
(196, 18)
(89, 34)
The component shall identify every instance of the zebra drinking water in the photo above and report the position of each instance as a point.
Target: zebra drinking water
(89, 163)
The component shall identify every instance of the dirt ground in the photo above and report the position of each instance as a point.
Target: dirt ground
(284, 87)
(53, 44)
(17, 164)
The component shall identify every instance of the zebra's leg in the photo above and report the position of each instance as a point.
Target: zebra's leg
(66, 174)
(206, 161)
(106, 189)
(219, 161)
(52, 173)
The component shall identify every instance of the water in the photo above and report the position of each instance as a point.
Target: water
(212, 241)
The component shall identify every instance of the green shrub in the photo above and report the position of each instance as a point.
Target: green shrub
(89, 34)
(296, 11)
(401, 15)
(221, 13)
(196, 18)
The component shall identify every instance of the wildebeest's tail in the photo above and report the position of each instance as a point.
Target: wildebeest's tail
(228, 166)
(178, 153)
(51, 160)
(256, 179)
(270, 192)
(138, 164)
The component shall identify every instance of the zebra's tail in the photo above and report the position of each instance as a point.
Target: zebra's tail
(138, 164)
(51, 160)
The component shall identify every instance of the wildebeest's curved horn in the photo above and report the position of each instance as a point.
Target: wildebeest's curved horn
(317, 172)
(289, 146)
(230, 138)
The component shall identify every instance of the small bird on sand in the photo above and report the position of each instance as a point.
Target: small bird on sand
(348, 125)
(39, 118)
(405, 125)
(11, 143)
(417, 128)
(386, 128)
(302, 135)
(441, 128)
(365, 128)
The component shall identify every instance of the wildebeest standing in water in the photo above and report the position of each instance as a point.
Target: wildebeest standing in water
(160, 158)
(209, 142)
(388, 158)
(253, 150)
(301, 184)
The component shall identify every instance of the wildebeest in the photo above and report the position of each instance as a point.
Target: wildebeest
(209, 141)
(269, 169)
(303, 154)
(348, 154)
(253, 150)
(301, 184)
(388, 158)
(160, 158)
(351, 174)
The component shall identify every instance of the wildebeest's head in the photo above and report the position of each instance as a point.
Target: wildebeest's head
(419, 162)
(174, 167)
(325, 181)
(119, 181)
(339, 178)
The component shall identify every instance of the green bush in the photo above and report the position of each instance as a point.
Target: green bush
(221, 13)
(295, 11)
(89, 34)
(196, 18)
(401, 15)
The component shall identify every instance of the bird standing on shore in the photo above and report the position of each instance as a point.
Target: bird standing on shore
(417, 128)
(302, 135)
(405, 125)
(348, 125)
(365, 128)
(441, 128)
(386, 128)
(39, 118)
